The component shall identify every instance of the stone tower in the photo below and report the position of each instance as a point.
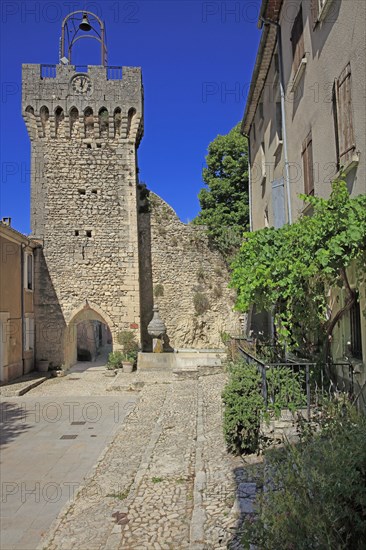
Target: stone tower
(85, 125)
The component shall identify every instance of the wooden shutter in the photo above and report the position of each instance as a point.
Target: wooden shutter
(346, 139)
(307, 161)
(279, 120)
(278, 203)
(297, 39)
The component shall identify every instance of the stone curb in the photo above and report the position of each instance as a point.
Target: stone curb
(197, 535)
(26, 388)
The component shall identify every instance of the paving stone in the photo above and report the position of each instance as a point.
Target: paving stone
(167, 467)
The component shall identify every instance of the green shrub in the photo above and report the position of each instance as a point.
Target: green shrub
(158, 290)
(115, 359)
(244, 404)
(243, 408)
(286, 389)
(201, 303)
(316, 491)
(217, 292)
(201, 274)
(126, 338)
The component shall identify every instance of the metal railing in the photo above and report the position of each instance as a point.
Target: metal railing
(297, 382)
(48, 71)
(81, 68)
(114, 73)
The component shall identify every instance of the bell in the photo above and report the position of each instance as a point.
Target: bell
(85, 25)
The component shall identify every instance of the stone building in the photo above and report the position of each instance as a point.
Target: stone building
(17, 342)
(312, 50)
(105, 244)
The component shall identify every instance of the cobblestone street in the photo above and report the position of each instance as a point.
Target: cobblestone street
(166, 480)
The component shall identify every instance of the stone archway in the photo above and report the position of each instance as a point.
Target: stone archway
(83, 331)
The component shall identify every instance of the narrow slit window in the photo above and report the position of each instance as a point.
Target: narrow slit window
(29, 272)
(88, 233)
(76, 232)
(95, 191)
(81, 191)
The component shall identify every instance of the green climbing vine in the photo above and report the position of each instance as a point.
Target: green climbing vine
(289, 270)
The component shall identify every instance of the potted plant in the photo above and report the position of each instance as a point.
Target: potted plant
(130, 348)
(57, 370)
(115, 359)
(42, 365)
(129, 361)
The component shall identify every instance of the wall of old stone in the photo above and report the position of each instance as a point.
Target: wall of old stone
(189, 280)
(83, 200)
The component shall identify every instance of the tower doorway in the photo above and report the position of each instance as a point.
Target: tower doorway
(88, 336)
(93, 340)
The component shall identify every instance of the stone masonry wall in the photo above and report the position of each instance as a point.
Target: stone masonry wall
(84, 199)
(185, 270)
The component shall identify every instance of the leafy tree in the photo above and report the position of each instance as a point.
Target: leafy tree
(224, 202)
(289, 270)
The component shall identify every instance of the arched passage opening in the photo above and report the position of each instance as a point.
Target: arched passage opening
(88, 337)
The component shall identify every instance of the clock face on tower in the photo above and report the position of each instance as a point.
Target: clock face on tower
(81, 84)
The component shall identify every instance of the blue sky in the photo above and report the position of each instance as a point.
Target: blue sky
(197, 59)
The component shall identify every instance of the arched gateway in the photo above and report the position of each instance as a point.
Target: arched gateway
(89, 332)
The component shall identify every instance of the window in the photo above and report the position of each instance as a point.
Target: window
(342, 110)
(297, 40)
(263, 161)
(88, 233)
(28, 272)
(81, 191)
(307, 161)
(355, 318)
(76, 232)
(279, 120)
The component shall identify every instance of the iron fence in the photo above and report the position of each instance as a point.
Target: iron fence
(294, 384)
(48, 71)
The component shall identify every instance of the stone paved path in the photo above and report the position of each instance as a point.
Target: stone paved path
(167, 481)
(50, 440)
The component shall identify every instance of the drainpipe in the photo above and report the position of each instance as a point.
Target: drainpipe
(284, 135)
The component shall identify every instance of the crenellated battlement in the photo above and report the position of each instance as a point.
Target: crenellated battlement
(90, 102)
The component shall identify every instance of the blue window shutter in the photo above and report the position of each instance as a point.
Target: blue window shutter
(278, 203)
